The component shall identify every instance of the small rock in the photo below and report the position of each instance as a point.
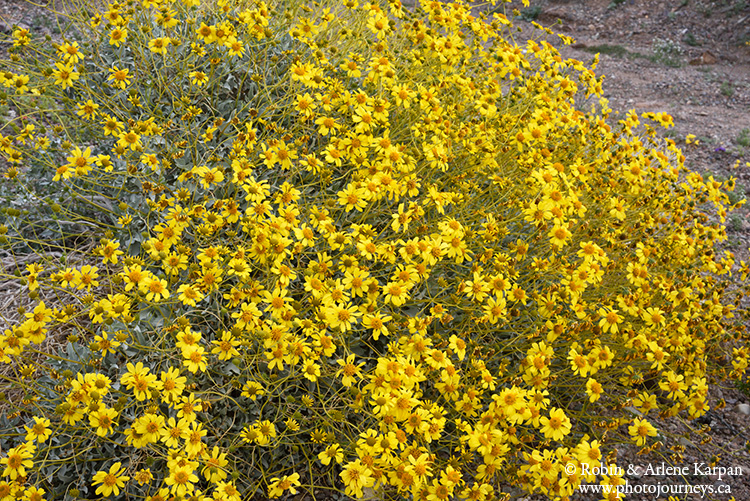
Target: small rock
(370, 494)
(685, 442)
(743, 409)
(637, 472)
(705, 58)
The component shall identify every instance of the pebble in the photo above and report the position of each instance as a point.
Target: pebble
(743, 409)
(636, 472)
(370, 494)
(685, 442)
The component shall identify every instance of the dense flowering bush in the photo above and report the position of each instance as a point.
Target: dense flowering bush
(343, 246)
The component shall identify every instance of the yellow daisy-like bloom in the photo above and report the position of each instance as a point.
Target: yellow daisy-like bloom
(86, 277)
(39, 431)
(377, 322)
(640, 430)
(396, 293)
(174, 431)
(19, 82)
(645, 402)
(654, 316)
(252, 390)
(110, 252)
(559, 235)
(278, 486)
(557, 425)
(17, 460)
(266, 431)
(156, 289)
(130, 140)
(356, 476)
(111, 126)
(71, 414)
(70, 52)
(228, 490)
(674, 385)
(458, 346)
(117, 36)
(609, 321)
(87, 110)
(160, 495)
(143, 476)
(333, 452)
(194, 441)
(348, 370)
(139, 379)
(226, 347)
(210, 177)
(106, 345)
(110, 481)
(41, 314)
(594, 390)
(103, 421)
(235, 46)
(311, 370)
(198, 78)
(159, 45)
(194, 358)
(119, 77)
(189, 294)
(215, 464)
(181, 480)
(65, 75)
(326, 125)
(305, 105)
(33, 494)
(342, 317)
(206, 33)
(589, 452)
(134, 276)
(149, 426)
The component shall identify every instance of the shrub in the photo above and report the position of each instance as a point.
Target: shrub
(667, 52)
(690, 39)
(727, 89)
(530, 13)
(743, 139)
(343, 246)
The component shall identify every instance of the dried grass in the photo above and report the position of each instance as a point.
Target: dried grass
(15, 301)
